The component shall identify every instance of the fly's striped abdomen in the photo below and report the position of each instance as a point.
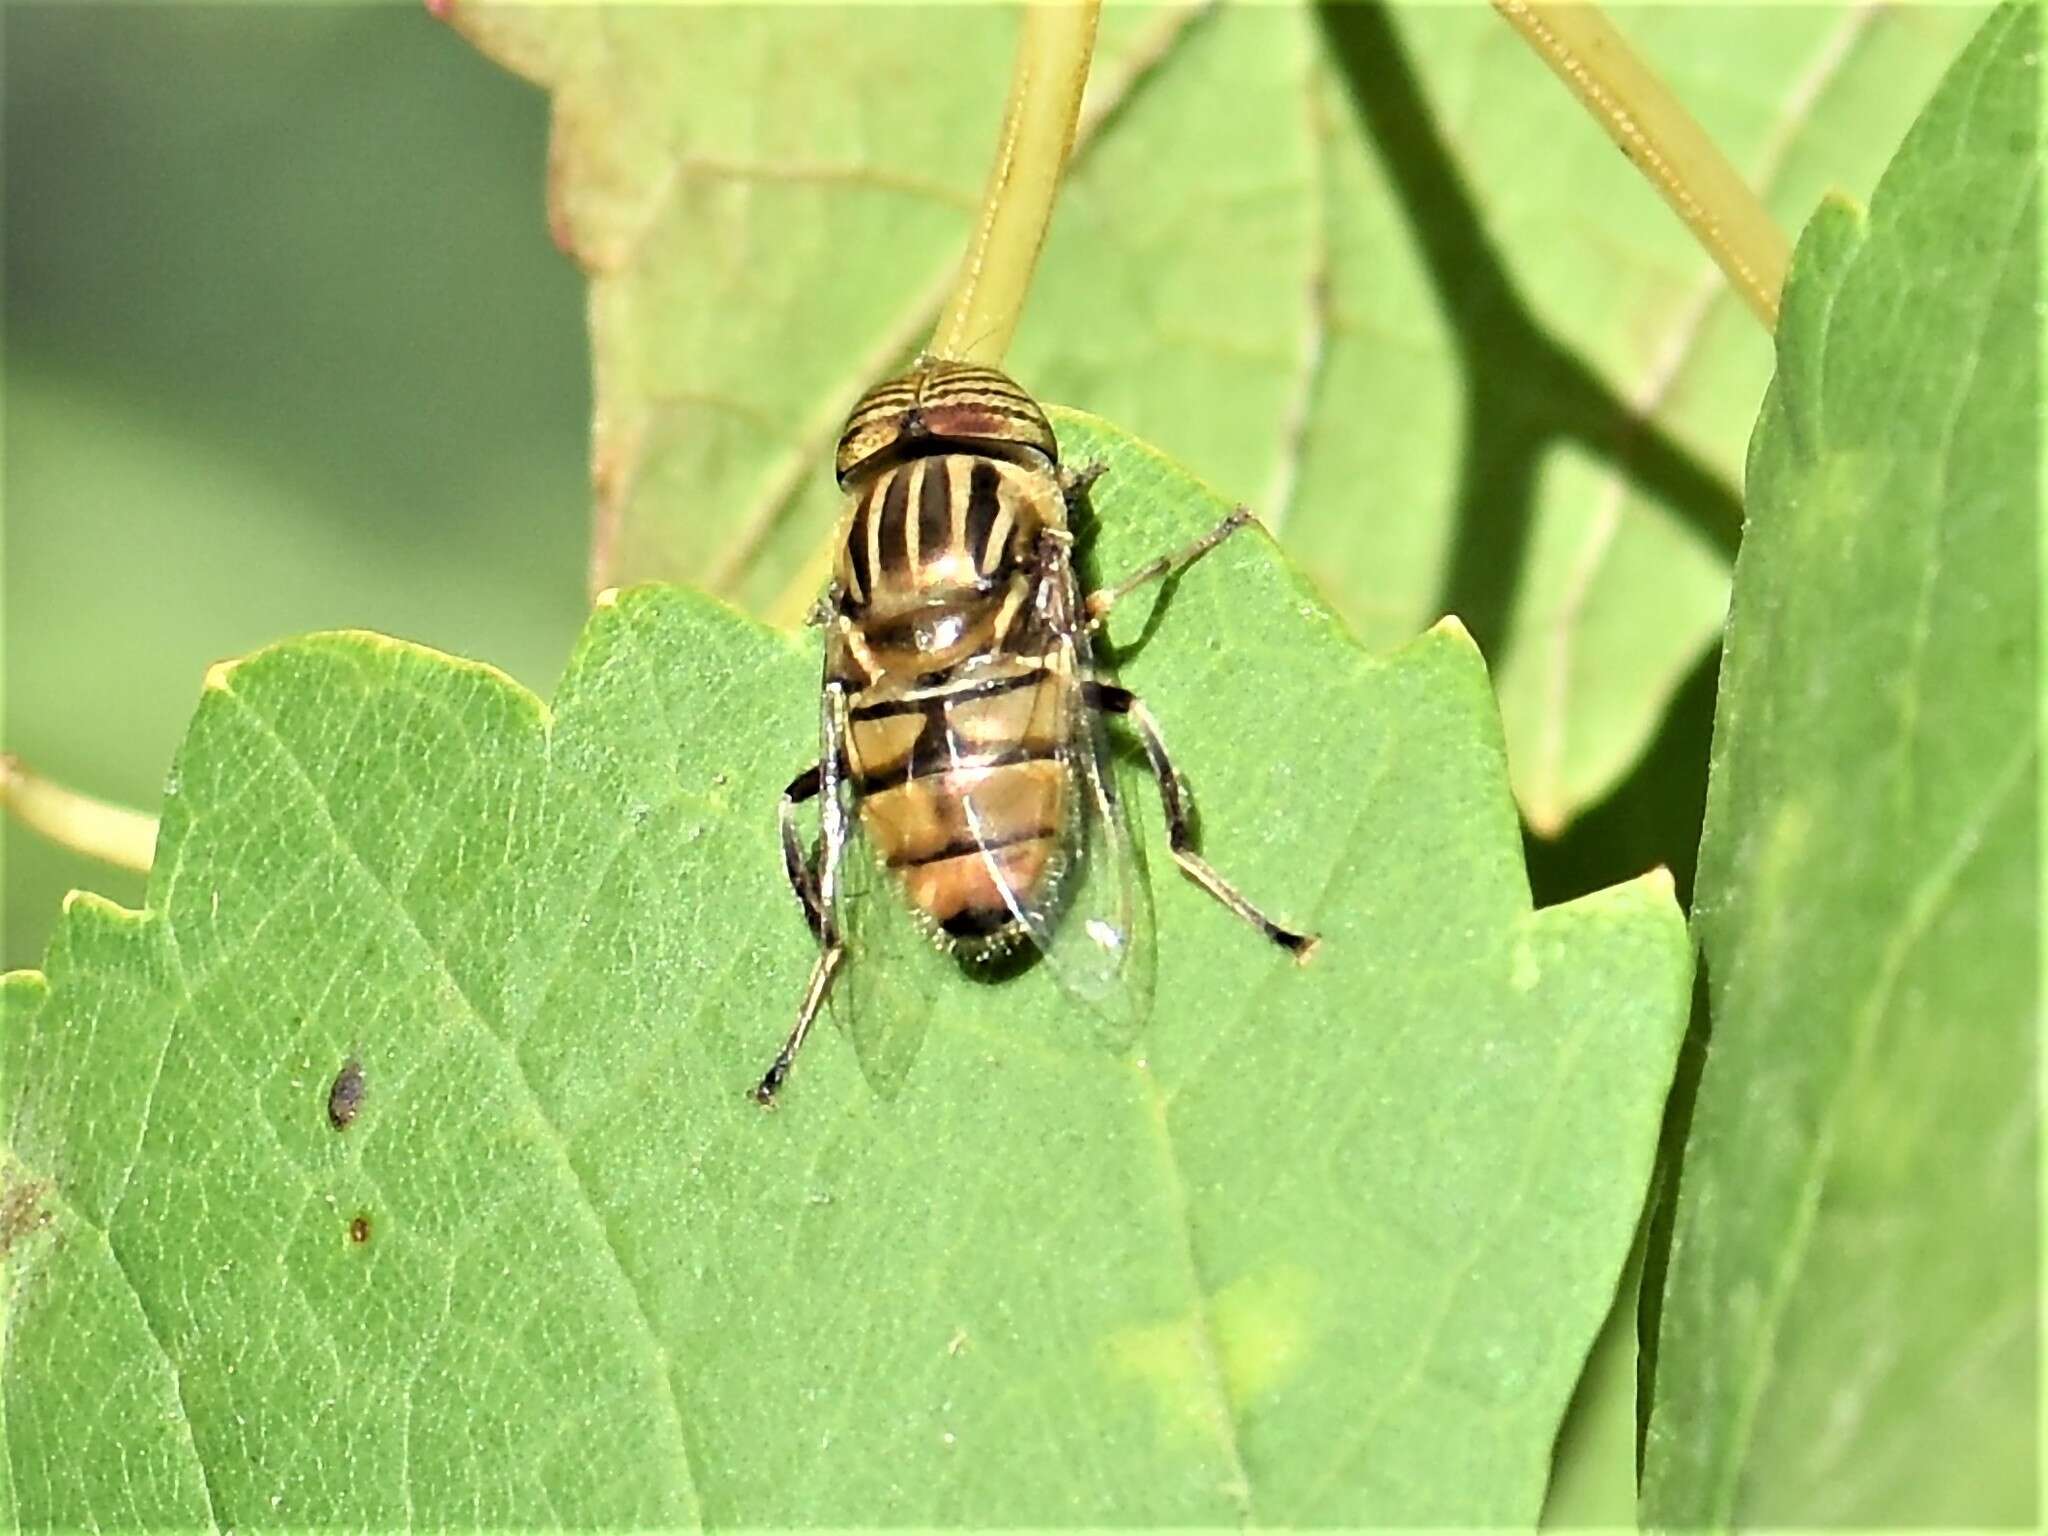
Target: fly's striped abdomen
(963, 789)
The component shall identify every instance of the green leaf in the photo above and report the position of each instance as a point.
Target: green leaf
(262, 382)
(1593, 1473)
(1329, 1244)
(1371, 271)
(1850, 1326)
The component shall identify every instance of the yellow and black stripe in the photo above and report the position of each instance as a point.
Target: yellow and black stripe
(949, 526)
(961, 705)
(964, 784)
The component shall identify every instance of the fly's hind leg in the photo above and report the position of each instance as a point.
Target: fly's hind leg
(801, 867)
(830, 955)
(803, 872)
(1165, 567)
(1173, 798)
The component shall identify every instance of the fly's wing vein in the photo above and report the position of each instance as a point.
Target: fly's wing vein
(883, 996)
(1093, 923)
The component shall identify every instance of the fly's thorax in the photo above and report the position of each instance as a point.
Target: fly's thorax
(939, 556)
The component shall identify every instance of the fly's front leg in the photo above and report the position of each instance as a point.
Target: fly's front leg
(1111, 699)
(1164, 568)
(815, 881)
(825, 609)
(1075, 483)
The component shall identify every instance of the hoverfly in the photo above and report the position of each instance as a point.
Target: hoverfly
(962, 758)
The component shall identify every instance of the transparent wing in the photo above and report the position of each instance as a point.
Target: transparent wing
(885, 991)
(1093, 922)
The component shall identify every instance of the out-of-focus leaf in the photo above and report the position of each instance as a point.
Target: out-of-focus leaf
(1850, 1324)
(1369, 270)
(1593, 1474)
(258, 375)
(1328, 1245)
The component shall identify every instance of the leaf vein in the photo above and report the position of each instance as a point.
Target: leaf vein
(156, 1337)
(1944, 459)
(1312, 360)
(533, 1103)
(1205, 1340)
(1923, 906)
(1539, 1133)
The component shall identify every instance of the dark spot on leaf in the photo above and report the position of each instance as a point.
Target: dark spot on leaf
(359, 1228)
(21, 1212)
(345, 1098)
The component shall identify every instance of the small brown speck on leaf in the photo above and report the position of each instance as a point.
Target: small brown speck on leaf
(359, 1228)
(345, 1097)
(21, 1211)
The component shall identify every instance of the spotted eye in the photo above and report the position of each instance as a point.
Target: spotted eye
(961, 403)
(877, 422)
(983, 407)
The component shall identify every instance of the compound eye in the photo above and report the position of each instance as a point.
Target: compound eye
(961, 403)
(877, 422)
(981, 405)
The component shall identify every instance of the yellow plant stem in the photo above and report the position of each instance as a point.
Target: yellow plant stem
(111, 833)
(1054, 45)
(1661, 138)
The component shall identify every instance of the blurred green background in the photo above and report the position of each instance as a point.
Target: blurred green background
(286, 348)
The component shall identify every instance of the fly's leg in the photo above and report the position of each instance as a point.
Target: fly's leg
(825, 609)
(801, 867)
(1165, 567)
(830, 954)
(1111, 699)
(815, 879)
(802, 870)
(1075, 483)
